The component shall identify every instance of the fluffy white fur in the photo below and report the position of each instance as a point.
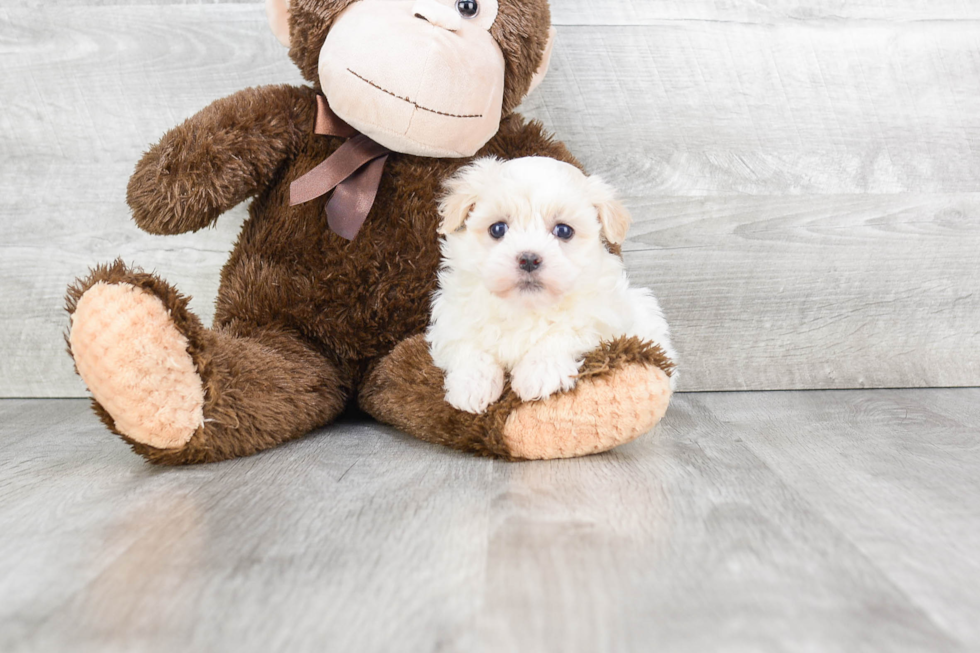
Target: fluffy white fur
(490, 317)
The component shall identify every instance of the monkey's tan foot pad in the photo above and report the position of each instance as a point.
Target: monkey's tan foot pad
(601, 413)
(136, 364)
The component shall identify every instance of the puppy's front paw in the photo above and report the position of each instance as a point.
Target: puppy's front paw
(474, 388)
(539, 378)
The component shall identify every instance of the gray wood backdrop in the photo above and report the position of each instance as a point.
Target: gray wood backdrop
(804, 174)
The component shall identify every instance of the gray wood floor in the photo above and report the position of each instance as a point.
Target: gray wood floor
(803, 521)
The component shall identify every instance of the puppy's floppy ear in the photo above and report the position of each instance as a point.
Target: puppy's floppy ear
(278, 13)
(613, 216)
(463, 191)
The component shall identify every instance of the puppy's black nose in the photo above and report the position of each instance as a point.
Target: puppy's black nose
(529, 261)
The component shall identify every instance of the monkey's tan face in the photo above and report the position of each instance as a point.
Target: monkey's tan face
(421, 77)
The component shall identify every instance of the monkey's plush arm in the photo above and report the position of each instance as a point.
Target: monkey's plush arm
(219, 157)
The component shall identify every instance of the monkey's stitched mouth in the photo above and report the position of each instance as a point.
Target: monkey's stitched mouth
(409, 100)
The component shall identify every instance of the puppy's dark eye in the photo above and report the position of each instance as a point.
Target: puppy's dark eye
(498, 230)
(563, 231)
(467, 8)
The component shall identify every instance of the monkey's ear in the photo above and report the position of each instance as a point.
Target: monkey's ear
(278, 13)
(613, 216)
(545, 61)
(464, 190)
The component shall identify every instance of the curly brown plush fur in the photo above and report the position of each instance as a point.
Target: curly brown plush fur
(307, 322)
(263, 386)
(392, 394)
(219, 158)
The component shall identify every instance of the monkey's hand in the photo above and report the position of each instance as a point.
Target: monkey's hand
(219, 157)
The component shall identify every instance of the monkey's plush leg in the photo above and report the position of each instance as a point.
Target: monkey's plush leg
(622, 392)
(180, 393)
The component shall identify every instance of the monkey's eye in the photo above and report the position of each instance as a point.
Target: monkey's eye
(563, 231)
(467, 8)
(498, 230)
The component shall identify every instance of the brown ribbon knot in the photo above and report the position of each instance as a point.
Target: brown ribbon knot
(353, 173)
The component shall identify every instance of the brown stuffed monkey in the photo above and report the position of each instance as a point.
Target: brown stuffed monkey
(327, 292)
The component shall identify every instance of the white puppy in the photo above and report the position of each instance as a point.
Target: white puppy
(527, 284)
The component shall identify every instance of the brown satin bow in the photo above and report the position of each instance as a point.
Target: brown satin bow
(353, 173)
